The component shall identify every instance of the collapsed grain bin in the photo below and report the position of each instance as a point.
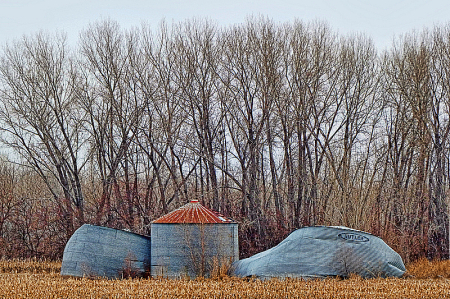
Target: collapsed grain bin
(95, 251)
(192, 241)
(322, 251)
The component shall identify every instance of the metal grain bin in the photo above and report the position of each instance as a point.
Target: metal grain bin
(192, 241)
(95, 251)
(322, 251)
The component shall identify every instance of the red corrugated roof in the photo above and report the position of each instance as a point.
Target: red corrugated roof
(193, 212)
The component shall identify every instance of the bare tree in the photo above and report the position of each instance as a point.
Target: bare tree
(198, 81)
(248, 55)
(40, 119)
(312, 73)
(440, 130)
(164, 136)
(358, 110)
(111, 99)
(410, 90)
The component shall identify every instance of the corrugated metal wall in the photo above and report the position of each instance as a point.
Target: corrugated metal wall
(322, 251)
(106, 252)
(191, 249)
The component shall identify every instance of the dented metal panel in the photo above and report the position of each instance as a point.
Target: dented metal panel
(96, 251)
(322, 251)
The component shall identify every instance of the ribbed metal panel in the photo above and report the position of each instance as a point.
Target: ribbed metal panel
(324, 251)
(193, 212)
(190, 250)
(105, 252)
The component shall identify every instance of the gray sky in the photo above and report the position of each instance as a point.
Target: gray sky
(379, 19)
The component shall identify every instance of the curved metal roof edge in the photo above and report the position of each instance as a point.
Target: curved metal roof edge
(341, 227)
(113, 229)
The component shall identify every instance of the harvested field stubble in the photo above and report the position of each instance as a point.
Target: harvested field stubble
(29, 266)
(40, 283)
(25, 285)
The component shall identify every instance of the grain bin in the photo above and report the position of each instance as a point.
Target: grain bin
(192, 241)
(96, 251)
(322, 251)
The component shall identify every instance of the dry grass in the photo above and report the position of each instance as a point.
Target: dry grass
(34, 279)
(33, 266)
(425, 269)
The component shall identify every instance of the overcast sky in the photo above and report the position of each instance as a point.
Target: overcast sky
(379, 19)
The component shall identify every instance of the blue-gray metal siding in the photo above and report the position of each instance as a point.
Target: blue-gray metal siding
(181, 249)
(324, 251)
(105, 252)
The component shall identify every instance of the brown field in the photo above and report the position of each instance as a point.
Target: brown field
(35, 279)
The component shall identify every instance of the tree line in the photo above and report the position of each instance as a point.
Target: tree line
(277, 125)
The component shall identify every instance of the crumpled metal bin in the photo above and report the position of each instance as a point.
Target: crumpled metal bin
(324, 251)
(96, 251)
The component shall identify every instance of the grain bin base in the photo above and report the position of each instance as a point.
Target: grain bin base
(192, 250)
